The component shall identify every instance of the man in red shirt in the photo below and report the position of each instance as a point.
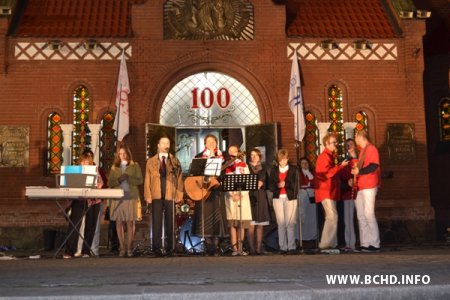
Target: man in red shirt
(328, 190)
(368, 180)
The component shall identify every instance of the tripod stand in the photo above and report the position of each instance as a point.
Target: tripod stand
(140, 246)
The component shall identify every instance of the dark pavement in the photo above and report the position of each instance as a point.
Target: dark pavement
(270, 276)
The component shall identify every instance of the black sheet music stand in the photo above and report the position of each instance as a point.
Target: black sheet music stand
(239, 183)
(197, 167)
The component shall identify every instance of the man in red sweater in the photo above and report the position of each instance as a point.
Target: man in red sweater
(327, 190)
(368, 180)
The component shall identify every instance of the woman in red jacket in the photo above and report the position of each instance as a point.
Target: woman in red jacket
(328, 190)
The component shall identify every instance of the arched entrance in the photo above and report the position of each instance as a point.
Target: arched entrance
(210, 103)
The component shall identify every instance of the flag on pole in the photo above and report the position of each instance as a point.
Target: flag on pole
(122, 118)
(296, 100)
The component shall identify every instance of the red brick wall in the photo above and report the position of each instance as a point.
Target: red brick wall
(389, 91)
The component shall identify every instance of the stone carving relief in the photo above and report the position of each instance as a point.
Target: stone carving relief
(208, 20)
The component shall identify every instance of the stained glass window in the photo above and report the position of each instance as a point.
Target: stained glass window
(107, 142)
(361, 121)
(54, 143)
(444, 115)
(209, 98)
(81, 137)
(312, 137)
(336, 115)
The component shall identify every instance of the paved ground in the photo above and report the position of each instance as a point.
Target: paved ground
(252, 277)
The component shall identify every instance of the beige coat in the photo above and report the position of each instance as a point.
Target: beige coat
(152, 183)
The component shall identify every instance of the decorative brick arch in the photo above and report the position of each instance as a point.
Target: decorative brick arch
(189, 65)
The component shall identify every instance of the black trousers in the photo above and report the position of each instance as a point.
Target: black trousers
(77, 207)
(90, 224)
(160, 208)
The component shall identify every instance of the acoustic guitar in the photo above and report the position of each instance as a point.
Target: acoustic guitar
(198, 188)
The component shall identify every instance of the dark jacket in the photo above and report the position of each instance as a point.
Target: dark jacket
(291, 182)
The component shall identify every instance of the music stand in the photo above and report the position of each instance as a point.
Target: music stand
(239, 183)
(197, 167)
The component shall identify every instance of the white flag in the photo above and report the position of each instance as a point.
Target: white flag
(122, 118)
(296, 100)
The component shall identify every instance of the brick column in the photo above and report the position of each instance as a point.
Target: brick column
(95, 140)
(323, 130)
(349, 128)
(67, 143)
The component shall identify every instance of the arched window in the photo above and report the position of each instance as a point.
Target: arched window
(209, 98)
(54, 143)
(336, 115)
(107, 141)
(361, 121)
(444, 117)
(81, 137)
(312, 137)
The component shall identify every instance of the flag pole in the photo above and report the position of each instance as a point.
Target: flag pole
(118, 116)
(297, 145)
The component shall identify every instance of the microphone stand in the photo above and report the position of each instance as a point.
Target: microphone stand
(174, 171)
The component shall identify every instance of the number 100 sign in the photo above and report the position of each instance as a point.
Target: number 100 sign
(207, 98)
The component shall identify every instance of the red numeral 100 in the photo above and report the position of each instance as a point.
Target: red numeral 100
(207, 98)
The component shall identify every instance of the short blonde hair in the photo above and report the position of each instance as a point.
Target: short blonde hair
(282, 154)
(328, 137)
(362, 133)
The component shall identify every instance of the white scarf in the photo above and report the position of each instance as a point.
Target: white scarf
(308, 174)
(207, 153)
(283, 169)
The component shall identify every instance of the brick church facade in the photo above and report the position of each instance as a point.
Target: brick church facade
(369, 54)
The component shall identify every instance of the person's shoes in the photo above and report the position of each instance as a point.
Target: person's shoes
(85, 256)
(121, 253)
(67, 256)
(159, 254)
(243, 253)
(283, 252)
(235, 253)
(78, 254)
(130, 253)
(291, 252)
(346, 249)
(330, 251)
(370, 249)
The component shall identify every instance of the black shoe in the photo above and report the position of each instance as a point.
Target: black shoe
(283, 252)
(159, 254)
(370, 249)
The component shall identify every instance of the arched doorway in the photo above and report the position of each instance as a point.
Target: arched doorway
(210, 103)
